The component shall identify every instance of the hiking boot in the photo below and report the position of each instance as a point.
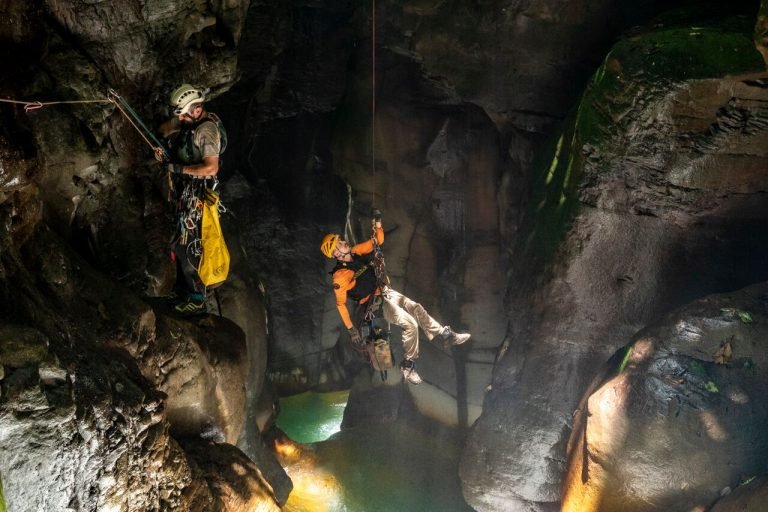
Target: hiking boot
(408, 368)
(450, 338)
(191, 306)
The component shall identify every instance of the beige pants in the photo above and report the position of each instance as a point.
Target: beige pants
(409, 315)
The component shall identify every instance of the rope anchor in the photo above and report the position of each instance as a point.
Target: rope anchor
(118, 101)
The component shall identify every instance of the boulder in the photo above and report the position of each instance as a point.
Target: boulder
(675, 417)
(95, 434)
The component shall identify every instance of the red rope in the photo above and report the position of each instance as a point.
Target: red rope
(373, 99)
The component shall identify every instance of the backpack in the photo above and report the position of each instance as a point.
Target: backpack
(182, 145)
(222, 131)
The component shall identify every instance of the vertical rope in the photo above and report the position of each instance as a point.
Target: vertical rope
(373, 100)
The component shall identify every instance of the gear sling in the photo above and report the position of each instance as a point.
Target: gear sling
(370, 276)
(199, 210)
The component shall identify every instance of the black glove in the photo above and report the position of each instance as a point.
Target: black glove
(176, 168)
(355, 335)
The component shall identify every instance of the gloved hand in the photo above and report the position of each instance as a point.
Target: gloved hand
(175, 168)
(355, 335)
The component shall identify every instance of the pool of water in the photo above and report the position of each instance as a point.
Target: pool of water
(311, 417)
(410, 465)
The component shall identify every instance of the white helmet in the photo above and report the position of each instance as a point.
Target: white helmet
(185, 97)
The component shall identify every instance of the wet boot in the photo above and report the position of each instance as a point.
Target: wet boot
(449, 338)
(408, 368)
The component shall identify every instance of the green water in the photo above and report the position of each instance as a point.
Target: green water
(410, 465)
(312, 417)
(396, 467)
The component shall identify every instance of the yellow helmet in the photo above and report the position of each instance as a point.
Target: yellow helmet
(329, 244)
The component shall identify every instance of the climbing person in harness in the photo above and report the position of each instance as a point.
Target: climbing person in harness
(195, 141)
(354, 277)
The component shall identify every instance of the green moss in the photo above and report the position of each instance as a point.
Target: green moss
(697, 369)
(688, 53)
(640, 69)
(2, 496)
(20, 346)
(554, 200)
(625, 359)
(652, 62)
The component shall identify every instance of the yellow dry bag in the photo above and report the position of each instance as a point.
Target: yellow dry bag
(214, 263)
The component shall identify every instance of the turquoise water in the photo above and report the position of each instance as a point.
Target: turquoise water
(312, 417)
(410, 465)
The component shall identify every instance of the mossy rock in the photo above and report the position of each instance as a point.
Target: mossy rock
(651, 62)
(20, 346)
(640, 69)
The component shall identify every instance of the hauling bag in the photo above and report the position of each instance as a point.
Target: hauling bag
(379, 351)
(214, 263)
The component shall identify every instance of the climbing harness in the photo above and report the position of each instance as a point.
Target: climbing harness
(377, 345)
(183, 146)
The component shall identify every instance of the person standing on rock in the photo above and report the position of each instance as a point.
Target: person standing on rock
(354, 277)
(195, 139)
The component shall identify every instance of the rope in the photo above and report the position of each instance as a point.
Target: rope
(373, 101)
(349, 233)
(34, 105)
(159, 150)
(113, 98)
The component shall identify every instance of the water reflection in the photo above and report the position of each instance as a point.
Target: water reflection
(311, 417)
(407, 465)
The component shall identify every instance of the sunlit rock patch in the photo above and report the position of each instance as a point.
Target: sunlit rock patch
(675, 419)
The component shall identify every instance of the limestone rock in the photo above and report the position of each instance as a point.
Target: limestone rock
(234, 480)
(97, 439)
(661, 398)
(750, 496)
(761, 31)
(628, 219)
(202, 369)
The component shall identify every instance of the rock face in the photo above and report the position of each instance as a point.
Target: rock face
(97, 385)
(94, 435)
(750, 497)
(689, 392)
(652, 196)
(81, 405)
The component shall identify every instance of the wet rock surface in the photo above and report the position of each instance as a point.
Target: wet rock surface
(748, 497)
(687, 391)
(92, 430)
(625, 223)
(653, 199)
